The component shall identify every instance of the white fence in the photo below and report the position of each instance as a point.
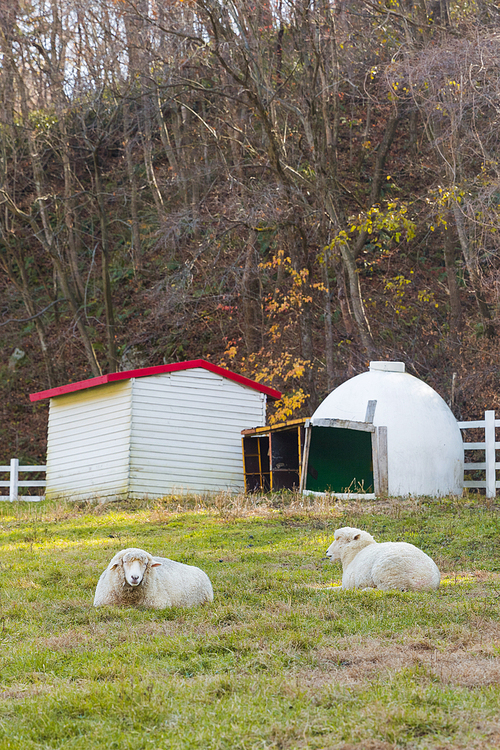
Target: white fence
(489, 446)
(14, 482)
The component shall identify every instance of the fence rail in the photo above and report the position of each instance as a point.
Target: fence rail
(489, 446)
(14, 483)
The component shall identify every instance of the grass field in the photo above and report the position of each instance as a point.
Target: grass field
(279, 660)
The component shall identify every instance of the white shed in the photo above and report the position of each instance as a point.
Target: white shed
(385, 431)
(147, 433)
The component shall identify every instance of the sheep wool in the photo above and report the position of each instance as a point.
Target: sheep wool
(366, 564)
(134, 578)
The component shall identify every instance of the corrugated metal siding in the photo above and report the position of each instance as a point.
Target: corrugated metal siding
(89, 442)
(186, 432)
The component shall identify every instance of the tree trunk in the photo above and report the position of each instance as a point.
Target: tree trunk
(174, 162)
(147, 142)
(474, 273)
(136, 251)
(106, 281)
(299, 253)
(251, 299)
(329, 359)
(357, 303)
(456, 323)
(69, 214)
(349, 264)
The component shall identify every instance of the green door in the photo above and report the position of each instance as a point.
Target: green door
(340, 460)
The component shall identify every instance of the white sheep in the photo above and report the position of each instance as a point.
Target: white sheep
(367, 564)
(135, 578)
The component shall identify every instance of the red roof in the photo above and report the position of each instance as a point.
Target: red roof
(144, 372)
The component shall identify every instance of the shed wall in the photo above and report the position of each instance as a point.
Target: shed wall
(186, 432)
(88, 442)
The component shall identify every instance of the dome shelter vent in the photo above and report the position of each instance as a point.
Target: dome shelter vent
(388, 366)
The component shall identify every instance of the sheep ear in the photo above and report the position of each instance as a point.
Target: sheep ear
(356, 537)
(115, 566)
(155, 564)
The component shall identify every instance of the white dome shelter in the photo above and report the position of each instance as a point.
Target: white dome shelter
(384, 431)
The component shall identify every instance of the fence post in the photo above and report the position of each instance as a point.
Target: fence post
(14, 479)
(490, 456)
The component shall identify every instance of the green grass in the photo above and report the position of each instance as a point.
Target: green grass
(279, 660)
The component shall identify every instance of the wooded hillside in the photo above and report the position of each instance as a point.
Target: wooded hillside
(288, 188)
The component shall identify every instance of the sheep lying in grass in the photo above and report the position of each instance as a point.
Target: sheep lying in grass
(134, 578)
(389, 565)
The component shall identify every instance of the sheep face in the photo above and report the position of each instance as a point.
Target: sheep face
(348, 542)
(134, 564)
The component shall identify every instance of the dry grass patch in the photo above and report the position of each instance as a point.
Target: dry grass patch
(356, 663)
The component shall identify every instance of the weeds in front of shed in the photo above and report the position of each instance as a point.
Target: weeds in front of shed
(281, 659)
(285, 503)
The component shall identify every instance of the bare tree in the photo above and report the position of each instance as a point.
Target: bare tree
(455, 86)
